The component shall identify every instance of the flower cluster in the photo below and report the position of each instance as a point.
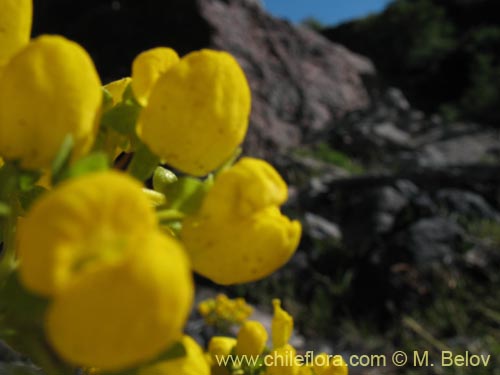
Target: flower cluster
(248, 352)
(100, 239)
(223, 311)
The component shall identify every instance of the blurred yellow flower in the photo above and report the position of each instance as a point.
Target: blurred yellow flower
(85, 223)
(148, 67)
(325, 364)
(121, 290)
(281, 326)
(193, 363)
(15, 26)
(48, 90)
(198, 112)
(252, 338)
(219, 348)
(282, 361)
(239, 234)
(223, 310)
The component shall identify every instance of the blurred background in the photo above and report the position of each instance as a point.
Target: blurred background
(384, 118)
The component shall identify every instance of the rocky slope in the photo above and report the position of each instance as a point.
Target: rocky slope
(300, 81)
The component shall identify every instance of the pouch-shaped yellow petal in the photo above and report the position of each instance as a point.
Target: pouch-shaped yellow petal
(193, 363)
(239, 235)
(125, 314)
(148, 67)
(240, 250)
(197, 113)
(86, 223)
(48, 90)
(15, 26)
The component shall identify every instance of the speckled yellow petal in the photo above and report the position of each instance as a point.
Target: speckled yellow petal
(15, 27)
(197, 113)
(117, 88)
(194, 363)
(48, 90)
(252, 338)
(88, 222)
(125, 314)
(148, 67)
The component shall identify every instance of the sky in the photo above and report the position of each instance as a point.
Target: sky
(328, 12)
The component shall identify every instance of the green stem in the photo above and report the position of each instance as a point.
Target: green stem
(8, 261)
(170, 215)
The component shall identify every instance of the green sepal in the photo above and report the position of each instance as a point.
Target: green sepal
(107, 99)
(143, 163)
(123, 117)
(186, 194)
(95, 162)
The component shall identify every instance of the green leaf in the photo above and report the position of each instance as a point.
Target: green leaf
(143, 163)
(4, 209)
(19, 369)
(63, 157)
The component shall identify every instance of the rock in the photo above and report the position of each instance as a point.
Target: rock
(466, 204)
(431, 241)
(321, 229)
(301, 82)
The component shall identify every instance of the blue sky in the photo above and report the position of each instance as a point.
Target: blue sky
(327, 11)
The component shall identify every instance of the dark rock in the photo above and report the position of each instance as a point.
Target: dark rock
(320, 228)
(466, 204)
(432, 241)
(301, 82)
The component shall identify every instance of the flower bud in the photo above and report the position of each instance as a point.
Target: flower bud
(281, 326)
(252, 339)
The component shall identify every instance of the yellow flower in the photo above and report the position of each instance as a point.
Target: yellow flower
(121, 290)
(219, 348)
(48, 90)
(193, 363)
(281, 326)
(239, 235)
(325, 364)
(148, 67)
(252, 338)
(282, 361)
(15, 26)
(117, 88)
(197, 113)
(80, 225)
